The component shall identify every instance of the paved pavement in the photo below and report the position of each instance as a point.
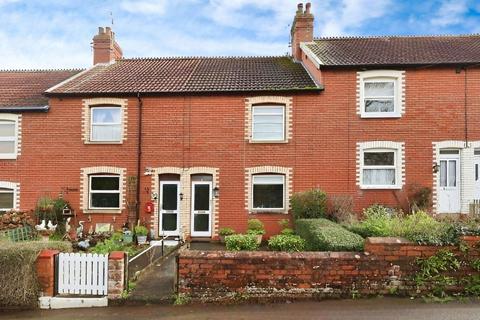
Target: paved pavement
(371, 309)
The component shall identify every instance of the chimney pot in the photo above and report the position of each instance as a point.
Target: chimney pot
(108, 30)
(300, 8)
(101, 30)
(307, 7)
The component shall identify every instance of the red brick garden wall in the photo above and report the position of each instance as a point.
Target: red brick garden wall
(387, 265)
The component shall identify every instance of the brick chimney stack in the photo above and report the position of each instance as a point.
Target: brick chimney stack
(105, 48)
(302, 29)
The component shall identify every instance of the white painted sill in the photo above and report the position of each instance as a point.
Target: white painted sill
(102, 211)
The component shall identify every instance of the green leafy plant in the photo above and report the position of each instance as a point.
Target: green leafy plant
(226, 231)
(475, 264)
(287, 242)
(240, 242)
(255, 227)
(326, 235)
(287, 231)
(181, 299)
(140, 231)
(309, 204)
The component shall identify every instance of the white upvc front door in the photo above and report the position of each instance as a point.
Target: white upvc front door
(449, 183)
(169, 208)
(201, 218)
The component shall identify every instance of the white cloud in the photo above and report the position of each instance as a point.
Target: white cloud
(450, 12)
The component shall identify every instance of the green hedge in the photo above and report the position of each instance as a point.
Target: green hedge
(326, 235)
(18, 276)
(286, 242)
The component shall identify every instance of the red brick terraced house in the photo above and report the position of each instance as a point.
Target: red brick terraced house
(213, 142)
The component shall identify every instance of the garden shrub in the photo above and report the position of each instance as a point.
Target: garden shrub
(325, 235)
(342, 209)
(18, 278)
(309, 204)
(114, 243)
(255, 227)
(286, 242)
(240, 242)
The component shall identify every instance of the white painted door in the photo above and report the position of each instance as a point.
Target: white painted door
(449, 184)
(169, 208)
(201, 209)
(476, 168)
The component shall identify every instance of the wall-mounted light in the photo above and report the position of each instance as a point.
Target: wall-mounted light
(435, 167)
(154, 196)
(181, 196)
(216, 191)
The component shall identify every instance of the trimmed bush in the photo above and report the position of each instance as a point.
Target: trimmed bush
(286, 242)
(378, 221)
(255, 227)
(326, 235)
(18, 276)
(241, 242)
(309, 204)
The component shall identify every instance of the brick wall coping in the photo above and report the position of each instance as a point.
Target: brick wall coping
(47, 253)
(116, 255)
(388, 240)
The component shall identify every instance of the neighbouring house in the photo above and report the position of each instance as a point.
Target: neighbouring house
(190, 145)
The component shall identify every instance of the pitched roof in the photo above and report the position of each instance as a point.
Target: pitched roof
(397, 50)
(24, 88)
(190, 75)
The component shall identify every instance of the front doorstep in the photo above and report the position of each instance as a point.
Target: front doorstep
(71, 302)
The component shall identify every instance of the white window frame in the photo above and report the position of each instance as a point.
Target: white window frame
(90, 191)
(382, 76)
(253, 192)
(395, 166)
(14, 192)
(92, 124)
(284, 109)
(10, 119)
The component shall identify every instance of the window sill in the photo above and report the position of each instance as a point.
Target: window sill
(267, 141)
(8, 157)
(380, 115)
(268, 211)
(102, 211)
(103, 142)
(380, 187)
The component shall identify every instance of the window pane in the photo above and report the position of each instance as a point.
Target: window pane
(106, 115)
(169, 222)
(7, 147)
(105, 183)
(268, 136)
(269, 110)
(106, 132)
(379, 177)
(452, 173)
(169, 197)
(379, 89)
(105, 200)
(200, 222)
(6, 200)
(379, 158)
(202, 197)
(443, 173)
(7, 129)
(268, 119)
(268, 196)
(379, 105)
(277, 179)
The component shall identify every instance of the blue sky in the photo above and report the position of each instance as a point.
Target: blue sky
(57, 33)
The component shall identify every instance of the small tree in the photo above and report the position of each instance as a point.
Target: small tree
(309, 204)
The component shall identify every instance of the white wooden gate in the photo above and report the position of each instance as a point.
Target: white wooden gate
(82, 273)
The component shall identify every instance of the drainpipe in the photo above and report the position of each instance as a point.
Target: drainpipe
(139, 157)
(466, 108)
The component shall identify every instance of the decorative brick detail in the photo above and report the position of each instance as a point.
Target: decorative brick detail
(84, 185)
(185, 204)
(286, 101)
(89, 103)
(386, 264)
(398, 76)
(398, 147)
(287, 172)
(16, 192)
(45, 266)
(116, 274)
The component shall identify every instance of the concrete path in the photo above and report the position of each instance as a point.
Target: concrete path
(156, 285)
(372, 309)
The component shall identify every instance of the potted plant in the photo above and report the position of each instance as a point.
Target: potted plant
(223, 232)
(141, 233)
(127, 236)
(256, 228)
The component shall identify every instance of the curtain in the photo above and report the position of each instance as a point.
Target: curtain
(379, 177)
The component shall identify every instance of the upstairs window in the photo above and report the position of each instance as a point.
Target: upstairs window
(104, 192)
(7, 199)
(8, 136)
(381, 94)
(268, 192)
(106, 124)
(268, 123)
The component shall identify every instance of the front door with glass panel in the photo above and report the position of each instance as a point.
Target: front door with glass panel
(449, 182)
(169, 208)
(201, 208)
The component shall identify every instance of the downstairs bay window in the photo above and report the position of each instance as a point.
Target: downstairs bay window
(268, 192)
